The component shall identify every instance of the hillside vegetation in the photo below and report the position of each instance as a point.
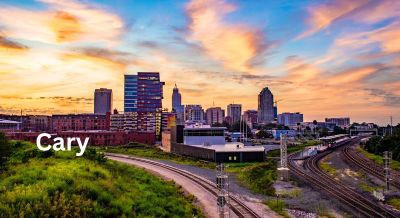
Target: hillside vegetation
(47, 184)
(377, 145)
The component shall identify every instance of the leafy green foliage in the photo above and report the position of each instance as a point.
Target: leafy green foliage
(378, 145)
(379, 158)
(278, 206)
(5, 151)
(63, 185)
(259, 177)
(395, 202)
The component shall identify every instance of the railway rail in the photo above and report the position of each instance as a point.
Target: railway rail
(351, 156)
(312, 173)
(236, 205)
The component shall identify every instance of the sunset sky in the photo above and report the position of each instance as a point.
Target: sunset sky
(321, 58)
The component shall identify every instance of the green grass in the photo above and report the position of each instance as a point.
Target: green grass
(368, 188)
(60, 184)
(378, 159)
(152, 152)
(279, 206)
(291, 193)
(395, 202)
(259, 177)
(328, 168)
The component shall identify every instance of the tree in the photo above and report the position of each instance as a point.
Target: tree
(262, 134)
(236, 128)
(5, 151)
(338, 130)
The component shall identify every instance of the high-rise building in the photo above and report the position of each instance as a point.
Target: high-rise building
(234, 111)
(130, 93)
(214, 115)
(144, 94)
(265, 106)
(177, 106)
(149, 103)
(102, 101)
(339, 121)
(194, 113)
(290, 119)
(250, 117)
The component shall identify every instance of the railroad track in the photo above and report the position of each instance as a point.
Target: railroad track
(316, 177)
(236, 205)
(351, 156)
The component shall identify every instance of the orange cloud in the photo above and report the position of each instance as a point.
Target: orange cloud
(298, 71)
(323, 15)
(11, 46)
(353, 75)
(235, 45)
(66, 26)
(64, 21)
(388, 39)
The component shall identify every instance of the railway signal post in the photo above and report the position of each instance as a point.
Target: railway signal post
(223, 191)
(387, 159)
(283, 169)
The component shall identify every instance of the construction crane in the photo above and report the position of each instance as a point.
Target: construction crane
(276, 102)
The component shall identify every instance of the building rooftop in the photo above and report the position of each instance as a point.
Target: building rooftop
(332, 137)
(233, 147)
(198, 126)
(9, 122)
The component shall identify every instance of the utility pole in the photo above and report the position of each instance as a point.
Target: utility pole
(283, 170)
(283, 152)
(387, 157)
(391, 125)
(223, 191)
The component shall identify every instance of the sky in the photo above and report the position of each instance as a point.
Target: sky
(322, 58)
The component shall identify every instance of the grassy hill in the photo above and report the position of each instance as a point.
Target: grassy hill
(47, 184)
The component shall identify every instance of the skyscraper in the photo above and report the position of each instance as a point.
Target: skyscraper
(130, 93)
(214, 115)
(234, 111)
(265, 106)
(102, 101)
(149, 103)
(177, 106)
(143, 95)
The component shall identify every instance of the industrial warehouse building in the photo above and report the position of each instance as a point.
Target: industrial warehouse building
(208, 143)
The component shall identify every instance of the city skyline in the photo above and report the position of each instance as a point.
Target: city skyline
(325, 59)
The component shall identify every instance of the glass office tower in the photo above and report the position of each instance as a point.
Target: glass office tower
(130, 93)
